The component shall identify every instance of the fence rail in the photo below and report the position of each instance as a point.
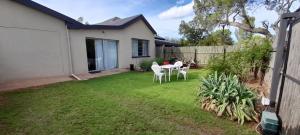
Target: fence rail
(199, 53)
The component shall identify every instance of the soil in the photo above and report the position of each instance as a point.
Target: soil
(253, 83)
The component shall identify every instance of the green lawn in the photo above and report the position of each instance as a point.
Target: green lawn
(127, 103)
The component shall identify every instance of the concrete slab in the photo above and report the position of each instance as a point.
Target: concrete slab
(20, 84)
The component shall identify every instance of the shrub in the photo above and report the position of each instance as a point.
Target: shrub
(238, 65)
(146, 65)
(224, 95)
(234, 63)
(255, 57)
(160, 61)
(258, 54)
(173, 60)
(218, 64)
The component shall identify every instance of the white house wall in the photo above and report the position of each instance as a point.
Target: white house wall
(32, 44)
(124, 37)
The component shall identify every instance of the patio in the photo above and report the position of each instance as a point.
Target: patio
(126, 103)
(21, 84)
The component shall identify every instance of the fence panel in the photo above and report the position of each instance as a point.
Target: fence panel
(201, 53)
(289, 110)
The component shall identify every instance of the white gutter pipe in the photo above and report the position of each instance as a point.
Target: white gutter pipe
(70, 55)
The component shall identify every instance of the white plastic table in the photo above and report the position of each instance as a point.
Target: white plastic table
(168, 67)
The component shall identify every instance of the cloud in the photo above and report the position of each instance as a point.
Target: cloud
(178, 12)
(179, 2)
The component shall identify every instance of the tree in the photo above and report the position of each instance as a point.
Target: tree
(217, 37)
(80, 19)
(197, 36)
(184, 42)
(211, 13)
(281, 7)
(241, 34)
(191, 32)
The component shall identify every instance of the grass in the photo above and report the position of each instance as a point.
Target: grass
(127, 103)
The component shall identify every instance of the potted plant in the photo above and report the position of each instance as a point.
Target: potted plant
(166, 62)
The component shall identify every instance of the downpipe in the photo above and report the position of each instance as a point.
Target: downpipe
(70, 55)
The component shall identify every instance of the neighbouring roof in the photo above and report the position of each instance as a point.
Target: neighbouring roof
(114, 23)
(118, 23)
(159, 37)
(160, 41)
(110, 21)
(166, 43)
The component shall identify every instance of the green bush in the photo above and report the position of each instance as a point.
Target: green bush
(227, 97)
(234, 63)
(238, 65)
(218, 64)
(146, 65)
(258, 54)
(160, 61)
(172, 60)
(254, 57)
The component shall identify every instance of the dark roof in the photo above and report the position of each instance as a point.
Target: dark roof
(48, 11)
(114, 23)
(159, 37)
(167, 43)
(160, 41)
(110, 21)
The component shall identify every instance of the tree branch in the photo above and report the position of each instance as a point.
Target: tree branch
(245, 16)
(251, 29)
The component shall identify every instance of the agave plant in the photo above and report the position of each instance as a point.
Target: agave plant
(225, 95)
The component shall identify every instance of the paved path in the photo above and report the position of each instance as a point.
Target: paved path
(20, 84)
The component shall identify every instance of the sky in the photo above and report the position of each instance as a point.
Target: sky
(164, 15)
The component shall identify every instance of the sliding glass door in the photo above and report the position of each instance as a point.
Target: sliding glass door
(110, 54)
(105, 54)
(99, 55)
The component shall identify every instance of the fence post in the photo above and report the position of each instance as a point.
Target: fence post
(164, 52)
(224, 53)
(278, 60)
(195, 59)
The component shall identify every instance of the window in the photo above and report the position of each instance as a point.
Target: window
(140, 48)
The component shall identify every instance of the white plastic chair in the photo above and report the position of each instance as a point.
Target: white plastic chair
(158, 73)
(154, 63)
(177, 65)
(184, 72)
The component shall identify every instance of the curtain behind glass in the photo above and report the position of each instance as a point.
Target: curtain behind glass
(99, 55)
(135, 44)
(145, 48)
(110, 54)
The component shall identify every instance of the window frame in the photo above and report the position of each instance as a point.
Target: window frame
(142, 40)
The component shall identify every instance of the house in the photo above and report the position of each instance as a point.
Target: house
(160, 41)
(36, 41)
